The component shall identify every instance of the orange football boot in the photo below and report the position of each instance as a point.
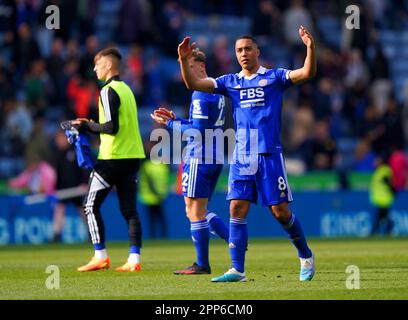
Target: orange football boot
(129, 267)
(95, 264)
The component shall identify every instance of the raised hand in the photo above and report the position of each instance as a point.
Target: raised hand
(184, 48)
(159, 119)
(163, 115)
(306, 36)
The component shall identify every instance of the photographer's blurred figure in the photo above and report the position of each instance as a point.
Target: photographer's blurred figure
(382, 195)
(153, 179)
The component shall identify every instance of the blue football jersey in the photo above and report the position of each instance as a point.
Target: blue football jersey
(206, 112)
(207, 106)
(257, 107)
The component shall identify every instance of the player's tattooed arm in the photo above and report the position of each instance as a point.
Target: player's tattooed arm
(308, 70)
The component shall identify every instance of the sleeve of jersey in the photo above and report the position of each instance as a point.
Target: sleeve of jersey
(283, 76)
(220, 84)
(182, 124)
(199, 117)
(111, 103)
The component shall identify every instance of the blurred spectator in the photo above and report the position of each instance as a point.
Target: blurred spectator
(355, 103)
(170, 21)
(8, 29)
(226, 7)
(86, 63)
(15, 131)
(323, 149)
(83, 93)
(364, 157)
(87, 13)
(323, 100)
(72, 50)
(39, 142)
(6, 83)
(405, 111)
(294, 17)
(266, 21)
(38, 177)
(69, 175)
(134, 74)
(377, 10)
(53, 64)
(24, 12)
(68, 16)
(399, 166)
(8, 17)
(155, 91)
(394, 132)
(25, 50)
(38, 87)
(398, 15)
(370, 126)
(18, 122)
(70, 71)
(382, 195)
(153, 186)
(330, 64)
(356, 69)
(220, 60)
(44, 36)
(358, 38)
(388, 131)
(381, 89)
(379, 68)
(135, 18)
(179, 94)
(303, 123)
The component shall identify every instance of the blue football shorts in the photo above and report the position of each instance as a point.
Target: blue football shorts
(199, 179)
(262, 174)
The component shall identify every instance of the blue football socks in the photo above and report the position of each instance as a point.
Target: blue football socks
(217, 225)
(295, 232)
(200, 235)
(99, 246)
(238, 241)
(134, 249)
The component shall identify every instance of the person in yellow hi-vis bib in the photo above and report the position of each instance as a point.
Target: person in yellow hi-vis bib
(382, 195)
(119, 157)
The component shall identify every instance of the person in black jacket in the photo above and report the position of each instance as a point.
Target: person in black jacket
(69, 175)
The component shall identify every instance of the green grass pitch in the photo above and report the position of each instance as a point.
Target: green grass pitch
(272, 269)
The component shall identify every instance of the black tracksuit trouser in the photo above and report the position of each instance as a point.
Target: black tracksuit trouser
(122, 174)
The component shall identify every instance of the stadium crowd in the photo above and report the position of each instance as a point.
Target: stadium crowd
(352, 111)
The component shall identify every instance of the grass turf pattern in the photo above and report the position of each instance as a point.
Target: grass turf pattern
(272, 269)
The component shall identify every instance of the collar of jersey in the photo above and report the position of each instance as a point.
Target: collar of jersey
(114, 78)
(261, 70)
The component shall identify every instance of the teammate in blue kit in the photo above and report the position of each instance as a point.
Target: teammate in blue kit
(201, 169)
(258, 168)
